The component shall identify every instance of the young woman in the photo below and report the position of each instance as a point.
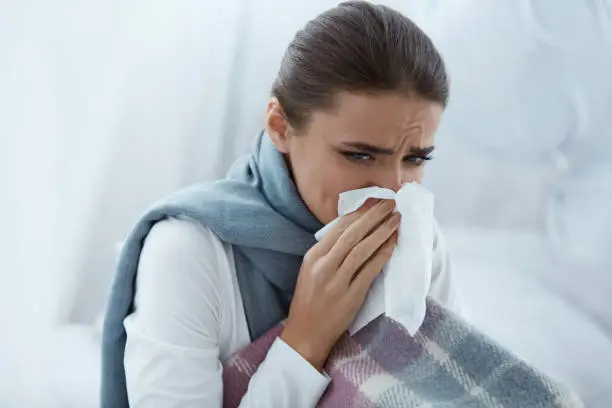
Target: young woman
(356, 103)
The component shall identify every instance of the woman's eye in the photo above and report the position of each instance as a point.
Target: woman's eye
(417, 160)
(358, 156)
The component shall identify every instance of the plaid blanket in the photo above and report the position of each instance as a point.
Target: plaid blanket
(447, 364)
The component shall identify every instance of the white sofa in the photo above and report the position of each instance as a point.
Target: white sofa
(519, 180)
(522, 179)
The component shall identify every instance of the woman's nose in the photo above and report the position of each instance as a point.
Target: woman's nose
(393, 179)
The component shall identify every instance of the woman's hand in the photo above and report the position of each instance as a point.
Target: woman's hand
(335, 277)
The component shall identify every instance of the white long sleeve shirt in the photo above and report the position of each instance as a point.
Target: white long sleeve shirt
(189, 318)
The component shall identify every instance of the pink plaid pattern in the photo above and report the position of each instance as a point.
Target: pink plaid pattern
(446, 364)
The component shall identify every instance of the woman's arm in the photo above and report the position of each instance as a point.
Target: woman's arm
(185, 312)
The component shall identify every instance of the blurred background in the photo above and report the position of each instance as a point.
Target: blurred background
(106, 106)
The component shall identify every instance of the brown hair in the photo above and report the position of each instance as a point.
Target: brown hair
(357, 46)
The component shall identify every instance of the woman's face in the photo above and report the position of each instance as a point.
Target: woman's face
(368, 140)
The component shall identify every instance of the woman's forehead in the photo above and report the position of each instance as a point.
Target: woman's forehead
(384, 118)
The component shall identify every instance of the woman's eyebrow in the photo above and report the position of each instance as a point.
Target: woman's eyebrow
(422, 150)
(373, 149)
(366, 147)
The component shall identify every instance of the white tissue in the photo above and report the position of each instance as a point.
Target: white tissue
(400, 291)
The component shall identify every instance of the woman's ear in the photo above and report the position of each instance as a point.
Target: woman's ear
(277, 125)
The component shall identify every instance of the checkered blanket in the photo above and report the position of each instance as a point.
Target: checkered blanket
(447, 364)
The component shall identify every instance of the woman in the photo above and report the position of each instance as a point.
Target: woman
(356, 103)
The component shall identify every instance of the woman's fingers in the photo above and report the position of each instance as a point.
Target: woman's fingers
(342, 224)
(365, 277)
(323, 306)
(366, 249)
(358, 230)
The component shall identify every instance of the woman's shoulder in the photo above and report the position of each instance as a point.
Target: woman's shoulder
(183, 236)
(180, 250)
(182, 232)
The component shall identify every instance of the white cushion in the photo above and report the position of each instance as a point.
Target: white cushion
(526, 142)
(498, 139)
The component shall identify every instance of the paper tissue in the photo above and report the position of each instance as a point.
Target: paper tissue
(400, 291)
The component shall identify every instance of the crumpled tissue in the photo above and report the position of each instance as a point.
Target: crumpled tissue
(401, 289)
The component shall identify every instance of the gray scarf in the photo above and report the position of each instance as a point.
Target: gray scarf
(258, 210)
